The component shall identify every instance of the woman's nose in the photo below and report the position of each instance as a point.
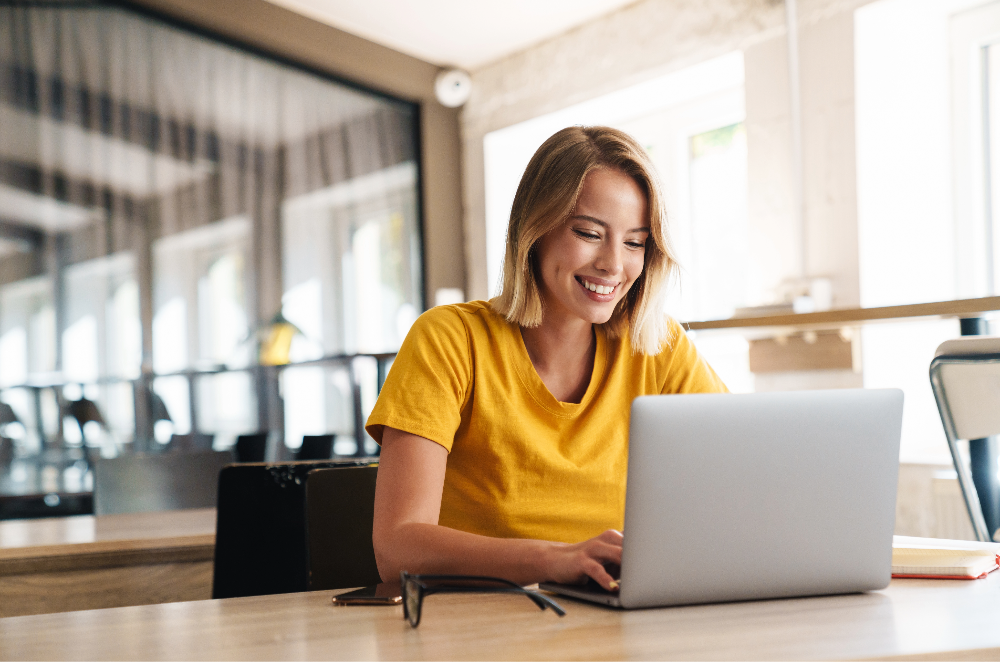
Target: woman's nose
(609, 259)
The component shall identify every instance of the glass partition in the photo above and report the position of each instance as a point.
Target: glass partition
(165, 200)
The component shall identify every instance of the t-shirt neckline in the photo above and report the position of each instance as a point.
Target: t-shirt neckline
(540, 392)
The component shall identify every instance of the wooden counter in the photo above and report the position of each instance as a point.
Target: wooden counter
(934, 619)
(832, 319)
(88, 562)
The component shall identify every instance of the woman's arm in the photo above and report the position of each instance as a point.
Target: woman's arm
(407, 535)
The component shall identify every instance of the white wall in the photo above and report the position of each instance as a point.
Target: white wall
(904, 153)
(827, 55)
(638, 43)
(827, 103)
(645, 110)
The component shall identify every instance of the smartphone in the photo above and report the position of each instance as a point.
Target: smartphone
(379, 594)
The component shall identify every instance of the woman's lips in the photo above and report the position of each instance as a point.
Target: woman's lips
(597, 290)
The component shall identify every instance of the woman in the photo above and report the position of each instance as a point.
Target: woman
(504, 424)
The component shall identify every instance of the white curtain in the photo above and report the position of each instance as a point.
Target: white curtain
(204, 188)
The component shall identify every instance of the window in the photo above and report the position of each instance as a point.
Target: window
(718, 217)
(351, 264)
(158, 186)
(27, 330)
(102, 339)
(201, 307)
(27, 355)
(975, 91)
(352, 285)
(922, 165)
(103, 334)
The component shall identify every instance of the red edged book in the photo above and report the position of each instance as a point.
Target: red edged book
(932, 558)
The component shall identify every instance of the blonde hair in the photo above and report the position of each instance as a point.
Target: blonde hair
(546, 197)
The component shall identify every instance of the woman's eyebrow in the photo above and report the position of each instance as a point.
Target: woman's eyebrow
(584, 217)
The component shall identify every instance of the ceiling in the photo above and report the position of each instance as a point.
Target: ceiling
(462, 33)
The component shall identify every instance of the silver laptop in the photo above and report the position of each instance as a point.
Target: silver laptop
(765, 495)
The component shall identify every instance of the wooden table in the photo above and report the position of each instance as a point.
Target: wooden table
(87, 562)
(930, 619)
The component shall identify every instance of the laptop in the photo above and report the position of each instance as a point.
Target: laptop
(756, 496)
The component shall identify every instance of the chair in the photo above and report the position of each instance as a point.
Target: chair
(166, 481)
(37, 506)
(195, 441)
(251, 447)
(7, 416)
(85, 411)
(315, 447)
(260, 537)
(964, 376)
(340, 509)
(6, 453)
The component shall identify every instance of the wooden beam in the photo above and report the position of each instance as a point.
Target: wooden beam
(853, 316)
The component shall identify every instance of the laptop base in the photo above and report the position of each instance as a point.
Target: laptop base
(588, 592)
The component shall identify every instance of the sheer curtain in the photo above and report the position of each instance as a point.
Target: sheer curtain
(174, 194)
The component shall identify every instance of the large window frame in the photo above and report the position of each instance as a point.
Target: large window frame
(262, 256)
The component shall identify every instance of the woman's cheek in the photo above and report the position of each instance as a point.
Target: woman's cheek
(636, 268)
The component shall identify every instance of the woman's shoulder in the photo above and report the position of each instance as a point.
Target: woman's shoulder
(678, 366)
(457, 316)
(676, 351)
(457, 322)
(452, 315)
(676, 348)
(672, 339)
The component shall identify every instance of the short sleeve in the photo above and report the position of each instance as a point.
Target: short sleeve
(429, 382)
(684, 370)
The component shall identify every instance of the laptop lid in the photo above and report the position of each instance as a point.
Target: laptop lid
(765, 495)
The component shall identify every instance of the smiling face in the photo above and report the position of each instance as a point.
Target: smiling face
(588, 264)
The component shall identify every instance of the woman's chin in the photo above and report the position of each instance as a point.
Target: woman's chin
(586, 309)
(598, 314)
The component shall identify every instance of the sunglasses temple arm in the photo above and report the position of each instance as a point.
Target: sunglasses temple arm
(544, 601)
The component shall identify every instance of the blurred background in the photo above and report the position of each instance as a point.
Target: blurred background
(219, 219)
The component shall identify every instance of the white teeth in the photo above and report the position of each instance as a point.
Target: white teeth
(600, 289)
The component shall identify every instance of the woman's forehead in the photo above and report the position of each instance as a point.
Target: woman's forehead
(610, 196)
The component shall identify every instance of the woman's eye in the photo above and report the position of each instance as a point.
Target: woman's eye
(635, 244)
(586, 235)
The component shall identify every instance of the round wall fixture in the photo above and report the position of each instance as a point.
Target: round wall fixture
(452, 87)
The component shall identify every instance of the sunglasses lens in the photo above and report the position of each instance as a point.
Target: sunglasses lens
(411, 597)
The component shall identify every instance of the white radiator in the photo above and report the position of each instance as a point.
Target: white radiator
(951, 518)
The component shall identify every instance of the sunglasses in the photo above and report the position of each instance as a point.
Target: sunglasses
(416, 587)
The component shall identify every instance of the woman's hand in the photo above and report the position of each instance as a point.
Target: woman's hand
(572, 564)
(406, 534)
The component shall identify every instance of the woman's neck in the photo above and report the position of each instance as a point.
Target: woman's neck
(562, 353)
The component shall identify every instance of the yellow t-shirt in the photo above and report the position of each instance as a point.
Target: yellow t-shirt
(522, 464)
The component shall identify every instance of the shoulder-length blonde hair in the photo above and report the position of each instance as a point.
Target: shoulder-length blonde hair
(547, 196)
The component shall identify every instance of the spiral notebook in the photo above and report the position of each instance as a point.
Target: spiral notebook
(932, 558)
